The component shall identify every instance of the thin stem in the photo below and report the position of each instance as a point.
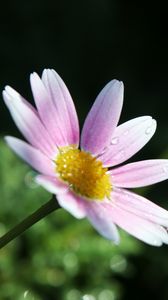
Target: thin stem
(39, 214)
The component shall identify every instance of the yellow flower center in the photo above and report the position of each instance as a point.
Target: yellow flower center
(83, 172)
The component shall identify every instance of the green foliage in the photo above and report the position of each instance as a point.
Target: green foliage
(59, 257)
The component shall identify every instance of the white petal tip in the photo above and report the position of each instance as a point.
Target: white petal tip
(33, 76)
(10, 139)
(10, 94)
(47, 70)
(5, 96)
(156, 243)
(116, 83)
(7, 139)
(151, 127)
(116, 87)
(9, 89)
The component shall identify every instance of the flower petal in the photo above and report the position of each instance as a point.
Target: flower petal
(47, 111)
(51, 184)
(141, 173)
(102, 221)
(31, 155)
(28, 122)
(73, 204)
(64, 109)
(148, 232)
(140, 206)
(102, 118)
(128, 139)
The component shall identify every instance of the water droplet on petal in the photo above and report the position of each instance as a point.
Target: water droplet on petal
(114, 140)
(126, 132)
(148, 130)
(150, 127)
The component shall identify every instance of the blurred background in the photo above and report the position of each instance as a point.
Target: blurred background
(88, 43)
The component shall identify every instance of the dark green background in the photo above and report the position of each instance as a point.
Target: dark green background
(89, 43)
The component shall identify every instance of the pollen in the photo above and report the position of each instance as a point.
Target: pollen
(84, 174)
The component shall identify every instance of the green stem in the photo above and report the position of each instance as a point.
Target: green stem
(39, 214)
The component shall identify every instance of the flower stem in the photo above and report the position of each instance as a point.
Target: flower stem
(39, 214)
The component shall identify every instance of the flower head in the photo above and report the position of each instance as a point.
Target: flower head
(85, 178)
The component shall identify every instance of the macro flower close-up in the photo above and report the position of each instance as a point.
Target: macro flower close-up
(86, 174)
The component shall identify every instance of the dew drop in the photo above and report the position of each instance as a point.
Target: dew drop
(126, 132)
(148, 130)
(115, 141)
(150, 127)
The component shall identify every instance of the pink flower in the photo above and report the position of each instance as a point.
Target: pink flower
(83, 178)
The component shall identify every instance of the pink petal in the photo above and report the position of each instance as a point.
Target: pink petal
(31, 155)
(141, 173)
(62, 105)
(27, 121)
(102, 118)
(51, 184)
(145, 227)
(102, 220)
(140, 206)
(148, 232)
(47, 111)
(128, 139)
(73, 204)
